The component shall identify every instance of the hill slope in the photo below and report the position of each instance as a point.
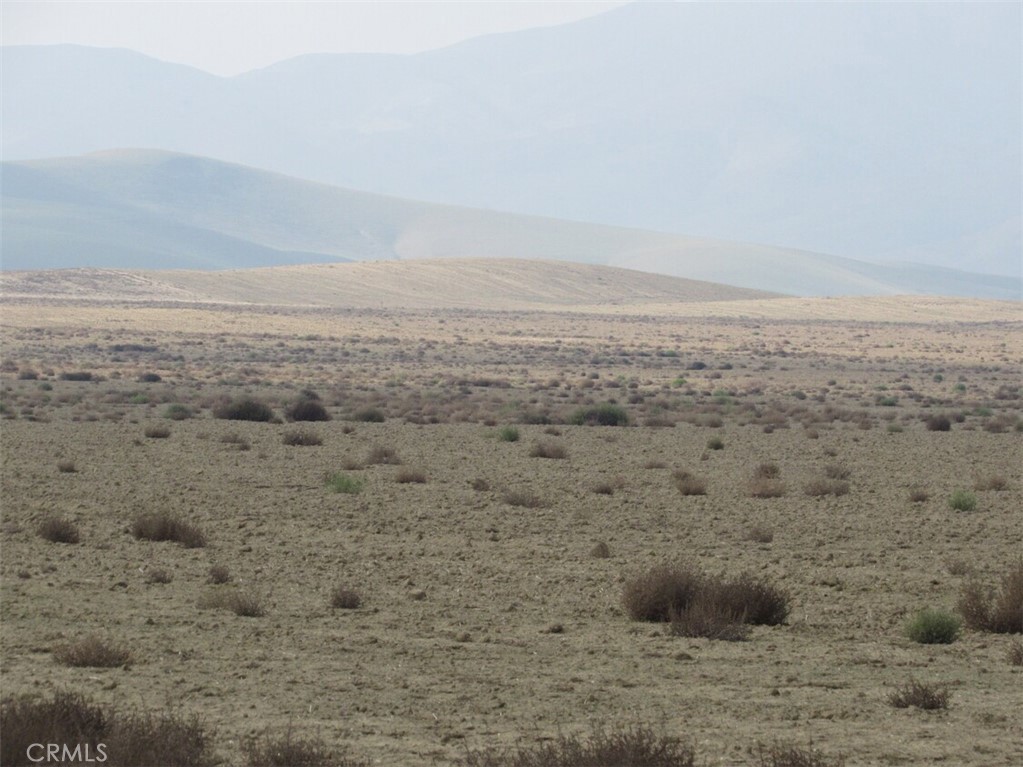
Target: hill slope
(886, 131)
(149, 209)
(428, 284)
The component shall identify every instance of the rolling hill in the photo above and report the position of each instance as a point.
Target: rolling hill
(889, 132)
(147, 209)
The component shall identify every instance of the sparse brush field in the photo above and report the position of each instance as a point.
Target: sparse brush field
(425, 618)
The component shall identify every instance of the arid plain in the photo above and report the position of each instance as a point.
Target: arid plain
(489, 612)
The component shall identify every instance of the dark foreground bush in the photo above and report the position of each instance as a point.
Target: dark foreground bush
(600, 415)
(163, 526)
(308, 410)
(635, 747)
(128, 739)
(244, 409)
(289, 751)
(999, 611)
(793, 756)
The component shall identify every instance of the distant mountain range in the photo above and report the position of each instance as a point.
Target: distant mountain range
(889, 132)
(136, 209)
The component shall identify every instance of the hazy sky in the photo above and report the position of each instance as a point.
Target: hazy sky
(226, 38)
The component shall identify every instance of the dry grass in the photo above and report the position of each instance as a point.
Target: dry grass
(820, 487)
(1015, 653)
(164, 526)
(66, 467)
(760, 534)
(241, 603)
(159, 576)
(157, 432)
(219, 574)
(998, 611)
(128, 739)
(689, 484)
(382, 455)
(522, 498)
(637, 746)
(918, 495)
(600, 550)
(766, 488)
(92, 652)
(995, 482)
(410, 477)
(289, 751)
(59, 530)
(548, 450)
(301, 438)
(929, 697)
(343, 598)
(780, 755)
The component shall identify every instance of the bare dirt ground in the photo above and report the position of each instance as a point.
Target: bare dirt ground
(486, 623)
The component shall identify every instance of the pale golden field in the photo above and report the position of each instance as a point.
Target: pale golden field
(488, 624)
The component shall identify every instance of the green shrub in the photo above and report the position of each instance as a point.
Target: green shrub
(963, 500)
(343, 483)
(508, 434)
(244, 409)
(177, 412)
(606, 414)
(933, 627)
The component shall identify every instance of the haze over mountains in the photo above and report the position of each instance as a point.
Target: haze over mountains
(135, 209)
(874, 132)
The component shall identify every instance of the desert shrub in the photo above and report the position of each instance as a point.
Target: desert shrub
(819, 487)
(938, 423)
(918, 495)
(522, 498)
(836, 471)
(59, 530)
(28, 375)
(307, 410)
(288, 751)
(382, 455)
(655, 463)
(715, 443)
(1000, 611)
(508, 434)
(760, 534)
(369, 415)
(779, 755)
(129, 740)
(928, 697)
(92, 652)
(600, 550)
(766, 488)
(606, 414)
(301, 438)
(343, 598)
(66, 467)
(608, 487)
(242, 603)
(962, 500)
(343, 483)
(667, 593)
(1015, 653)
(767, 471)
(633, 746)
(410, 476)
(991, 482)
(177, 412)
(244, 409)
(159, 575)
(157, 432)
(164, 526)
(480, 485)
(78, 375)
(660, 592)
(548, 450)
(710, 620)
(933, 627)
(219, 574)
(150, 378)
(689, 484)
